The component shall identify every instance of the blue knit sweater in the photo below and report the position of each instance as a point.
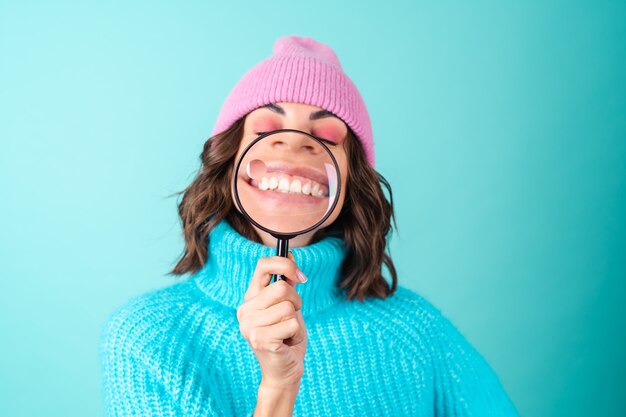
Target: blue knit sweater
(178, 351)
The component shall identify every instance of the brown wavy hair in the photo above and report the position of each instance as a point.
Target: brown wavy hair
(364, 221)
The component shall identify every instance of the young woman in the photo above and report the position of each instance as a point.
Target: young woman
(334, 338)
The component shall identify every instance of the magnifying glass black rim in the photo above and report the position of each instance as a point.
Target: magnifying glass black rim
(272, 232)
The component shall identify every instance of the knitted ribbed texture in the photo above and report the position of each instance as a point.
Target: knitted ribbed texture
(300, 70)
(178, 351)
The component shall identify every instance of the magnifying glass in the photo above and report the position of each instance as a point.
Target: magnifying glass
(286, 183)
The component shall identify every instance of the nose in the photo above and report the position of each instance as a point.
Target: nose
(296, 141)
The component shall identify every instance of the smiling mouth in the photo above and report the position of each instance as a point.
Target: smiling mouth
(284, 183)
(286, 178)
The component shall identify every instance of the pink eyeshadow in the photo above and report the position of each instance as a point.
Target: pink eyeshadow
(331, 133)
(265, 125)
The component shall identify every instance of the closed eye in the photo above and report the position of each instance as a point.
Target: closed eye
(328, 142)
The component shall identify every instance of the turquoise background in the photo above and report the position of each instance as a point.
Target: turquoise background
(500, 126)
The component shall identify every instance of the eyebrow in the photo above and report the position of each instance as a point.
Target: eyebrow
(320, 114)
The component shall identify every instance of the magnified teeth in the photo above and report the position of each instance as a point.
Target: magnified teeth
(264, 185)
(292, 185)
(295, 187)
(315, 189)
(283, 185)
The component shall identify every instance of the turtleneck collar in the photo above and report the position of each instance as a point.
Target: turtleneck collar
(232, 259)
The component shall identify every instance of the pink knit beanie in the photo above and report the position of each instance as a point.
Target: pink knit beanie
(301, 70)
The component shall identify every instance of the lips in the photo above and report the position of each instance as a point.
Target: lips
(285, 182)
(279, 175)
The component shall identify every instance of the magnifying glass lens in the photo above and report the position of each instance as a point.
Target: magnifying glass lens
(287, 182)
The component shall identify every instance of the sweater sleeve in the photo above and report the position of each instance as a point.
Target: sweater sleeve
(134, 384)
(130, 389)
(465, 384)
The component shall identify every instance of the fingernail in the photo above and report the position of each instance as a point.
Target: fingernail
(301, 276)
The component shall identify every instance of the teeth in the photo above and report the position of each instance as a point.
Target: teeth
(296, 186)
(265, 183)
(283, 185)
(315, 190)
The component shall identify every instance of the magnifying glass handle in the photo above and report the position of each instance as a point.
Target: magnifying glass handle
(282, 247)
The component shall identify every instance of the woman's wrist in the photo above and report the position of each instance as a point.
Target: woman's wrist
(276, 400)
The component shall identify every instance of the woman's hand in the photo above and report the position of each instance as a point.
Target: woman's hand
(271, 321)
